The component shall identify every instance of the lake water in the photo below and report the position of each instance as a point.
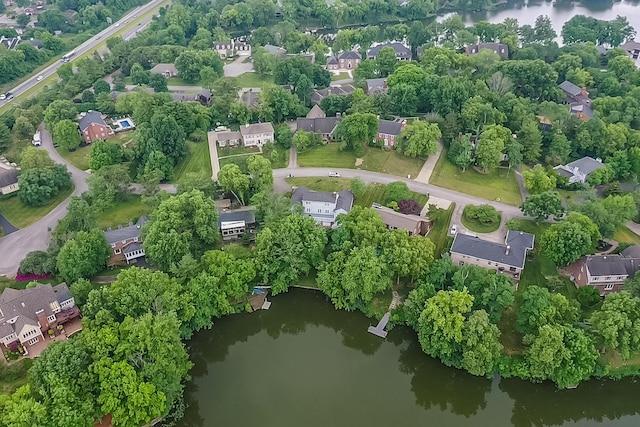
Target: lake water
(302, 363)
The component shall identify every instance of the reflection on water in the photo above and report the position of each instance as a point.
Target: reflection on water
(303, 363)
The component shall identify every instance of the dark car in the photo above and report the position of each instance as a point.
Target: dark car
(9, 95)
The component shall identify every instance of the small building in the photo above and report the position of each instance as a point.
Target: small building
(633, 49)
(376, 86)
(8, 179)
(234, 224)
(316, 112)
(344, 61)
(167, 70)
(505, 258)
(126, 243)
(403, 53)
(579, 170)
(323, 126)
(10, 42)
(27, 314)
(578, 100)
(93, 127)
(343, 90)
(227, 138)
(415, 225)
(607, 273)
(322, 206)
(257, 134)
(499, 48)
(204, 97)
(389, 131)
(251, 99)
(182, 96)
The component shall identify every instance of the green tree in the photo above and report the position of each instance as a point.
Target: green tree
(32, 158)
(158, 82)
(537, 307)
(66, 135)
(538, 181)
(157, 161)
(104, 153)
(490, 146)
(101, 86)
(83, 256)
(397, 191)
(542, 206)
(357, 187)
(531, 139)
(420, 139)
(565, 242)
(261, 174)
(108, 184)
(360, 227)
(616, 323)
(356, 130)
(186, 223)
(57, 111)
(232, 179)
(22, 127)
(491, 292)
(80, 217)
(461, 152)
(481, 346)
(287, 250)
(386, 61)
(38, 186)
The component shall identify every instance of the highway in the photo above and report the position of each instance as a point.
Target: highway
(114, 29)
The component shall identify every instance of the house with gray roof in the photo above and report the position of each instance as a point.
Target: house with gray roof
(343, 90)
(579, 170)
(578, 100)
(234, 224)
(632, 48)
(606, 273)
(376, 86)
(257, 134)
(126, 242)
(323, 126)
(27, 314)
(403, 53)
(505, 258)
(167, 70)
(316, 112)
(275, 50)
(8, 179)
(322, 206)
(389, 131)
(228, 138)
(415, 225)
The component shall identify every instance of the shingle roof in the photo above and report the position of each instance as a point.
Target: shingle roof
(519, 242)
(228, 135)
(316, 113)
(350, 54)
(632, 252)
(607, 265)
(400, 49)
(247, 215)
(301, 194)
(90, 117)
(324, 125)
(132, 247)
(631, 45)
(25, 303)
(164, 68)
(8, 177)
(500, 48)
(585, 165)
(332, 60)
(389, 128)
(255, 128)
(125, 233)
(345, 201)
(376, 85)
(274, 50)
(570, 88)
(62, 292)
(396, 219)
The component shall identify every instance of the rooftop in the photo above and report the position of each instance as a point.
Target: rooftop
(323, 125)
(389, 127)
(396, 219)
(124, 233)
(585, 165)
(8, 177)
(256, 128)
(570, 88)
(512, 253)
(90, 117)
(400, 49)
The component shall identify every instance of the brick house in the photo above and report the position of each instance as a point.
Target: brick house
(27, 314)
(606, 273)
(93, 127)
(388, 131)
(344, 61)
(125, 243)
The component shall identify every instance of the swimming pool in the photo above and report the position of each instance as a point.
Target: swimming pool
(125, 123)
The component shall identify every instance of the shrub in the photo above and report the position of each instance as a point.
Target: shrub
(409, 207)
(588, 296)
(485, 214)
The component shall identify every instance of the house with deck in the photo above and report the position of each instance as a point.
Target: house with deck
(93, 127)
(415, 225)
(236, 223)
(506, 258)
(579, 170)
(126, 243)
(606, 273)
(26, 315)
(322, 206)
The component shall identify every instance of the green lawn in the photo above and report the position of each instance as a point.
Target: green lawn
(490, 186)
(339, 76)
(625, 235)
(439, 234)
(122, 138)
(538, 268)
(253, 80)
(241, 161)
(233, 151)
(22, 216)
(478, 226)
(79, 157)
(197, 160)
(375, 160)
(122, 213)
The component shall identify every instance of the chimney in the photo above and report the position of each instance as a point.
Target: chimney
(508, 249)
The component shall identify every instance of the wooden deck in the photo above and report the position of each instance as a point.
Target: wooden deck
(378, 330)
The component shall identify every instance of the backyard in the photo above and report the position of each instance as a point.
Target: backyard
(491, 186)
(21, 216)
(197, 160)
(79, 157)
(122, 213)
(253, 80)
(375, 160)
(624, 235)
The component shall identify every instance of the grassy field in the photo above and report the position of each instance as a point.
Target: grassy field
(439, 234)
(241, 161)
(233, 151)
(122, 138)
(22, 216)
(625, 235)
(477, 226)
(123, 213)
(197, 160)
(490, 186)
(339, 76)
(375, 160)
(78, 158)
(253, 80)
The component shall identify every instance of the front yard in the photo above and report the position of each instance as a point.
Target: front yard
(491, 186)
(253, 80)
(79, 157)
(197, 160)
(375, 160)
(21, 216)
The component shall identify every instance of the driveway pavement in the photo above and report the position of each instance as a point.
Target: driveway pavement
(7, 226)
(213, 153)
(237, 67)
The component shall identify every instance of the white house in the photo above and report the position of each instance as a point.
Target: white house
(321, 206)
(257, 134)
(579, 170)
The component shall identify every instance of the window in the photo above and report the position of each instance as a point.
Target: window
(609, 287)
(319, 211)
(117, 251)
(33, 341)
(326, 211)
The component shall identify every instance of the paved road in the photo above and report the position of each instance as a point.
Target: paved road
(293, 157)
(91, 44)
(181, 89)
(7, 226)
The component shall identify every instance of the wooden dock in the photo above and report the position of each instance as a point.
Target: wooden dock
(378, 330)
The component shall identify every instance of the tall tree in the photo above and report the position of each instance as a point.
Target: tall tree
(538, 180)
(419, 139)
(490, 146)
(542, 206)
(232, 179)
(356, 130)
(616, 323)
(83, 256)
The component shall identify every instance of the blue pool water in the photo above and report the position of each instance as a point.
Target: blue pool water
(125, 123)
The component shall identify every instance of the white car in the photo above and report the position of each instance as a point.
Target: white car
(334, 174)
(117, 25)
(454, 230)
(3, 97)
(40, 78)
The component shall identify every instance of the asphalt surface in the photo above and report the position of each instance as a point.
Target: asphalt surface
(7, 226)
(89, 45)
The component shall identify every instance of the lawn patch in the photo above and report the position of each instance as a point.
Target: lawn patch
(327, 156)
(320, 184)
(491, 186)
(197, 160)
(21, 215)
(253, 80)
(624, 235)
(121, 213)
(510, 338)
(122, 138)
(234, 151)
(340, 76)
(439, 234)
(79, 157)
(477, 226)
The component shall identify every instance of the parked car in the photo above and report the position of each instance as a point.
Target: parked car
(40, 78)
(3, 97)
(454, 229)
(9, 95)
(334, 174)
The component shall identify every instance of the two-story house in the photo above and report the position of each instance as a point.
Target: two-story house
(317, 122)
(257, 134)
(633, 49)
(322, 206)
(499, 48)
(403, 53)
(505, 258)
(234, 224)
(388, 132)
(415, 225)
(93, 127)
(578, 100)
(8, 179)
(125, 242)
(231, 48)
(27, 314)
(344, 61)
(606, 273)
(579, 170)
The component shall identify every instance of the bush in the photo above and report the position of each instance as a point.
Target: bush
(37, 263)
(15, 371)
(485, 214)
(588, 296)
(409, 207)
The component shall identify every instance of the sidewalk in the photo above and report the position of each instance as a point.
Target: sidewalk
(213, 152)
(429, 165)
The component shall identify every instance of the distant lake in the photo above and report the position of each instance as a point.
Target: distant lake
(302, 363)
